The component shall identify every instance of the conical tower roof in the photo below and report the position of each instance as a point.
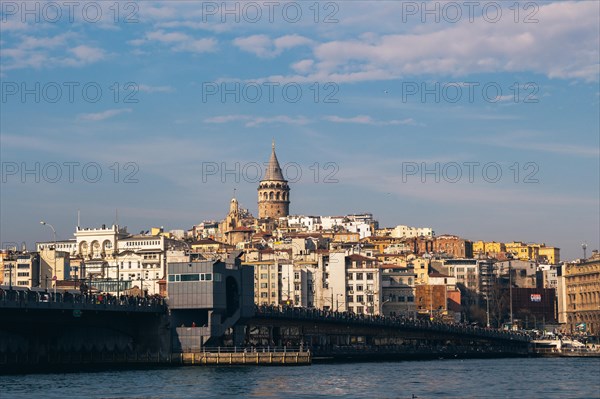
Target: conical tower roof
(273, 171)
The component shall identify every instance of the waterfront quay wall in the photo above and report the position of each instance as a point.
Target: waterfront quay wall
(247, 356)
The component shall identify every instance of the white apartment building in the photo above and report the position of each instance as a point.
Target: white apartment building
(402, 231)
(549, 275)
(362, 224)
(21, 269)
(466, 272)
(363, 295)
(115, 260)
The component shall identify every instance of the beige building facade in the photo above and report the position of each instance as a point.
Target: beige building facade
(579, 296)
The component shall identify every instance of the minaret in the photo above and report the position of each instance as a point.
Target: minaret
(273, 191)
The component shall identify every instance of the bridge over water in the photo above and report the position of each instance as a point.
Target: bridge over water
(42, 328)
(343, 335)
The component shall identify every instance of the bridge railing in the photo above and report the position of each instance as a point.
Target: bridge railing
(379, 320)
(48, 299)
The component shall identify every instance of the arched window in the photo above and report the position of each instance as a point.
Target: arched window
(271, 195)
(278, 196)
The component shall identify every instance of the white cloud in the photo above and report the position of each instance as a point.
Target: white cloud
(177, 41)
(367, 120)
(563, 44)
(50, 51)
(100, 116)
(147, 10)
(254, 121)
(85, 55)
(265, 47)
(303, 66)
(7, 24)
(166, 37)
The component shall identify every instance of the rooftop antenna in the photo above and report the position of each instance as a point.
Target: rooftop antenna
(234, 192)
(78, 219)
(117, 217)
(584, 247)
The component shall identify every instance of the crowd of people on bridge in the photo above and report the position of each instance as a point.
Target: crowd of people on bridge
(23, 295)
(397, 321)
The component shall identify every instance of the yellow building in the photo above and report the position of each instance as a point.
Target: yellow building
(421, 270)
(535, 252)
(550, 254)
(490, 248)
(580, 292)
(519, 250)
(479, 248)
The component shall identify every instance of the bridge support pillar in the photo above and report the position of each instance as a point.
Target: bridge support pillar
(239, 333)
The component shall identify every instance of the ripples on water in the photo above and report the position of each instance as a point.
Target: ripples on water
(496, 378)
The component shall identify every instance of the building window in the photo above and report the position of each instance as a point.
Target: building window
(359, 276)
(360, 298)
(369, 276)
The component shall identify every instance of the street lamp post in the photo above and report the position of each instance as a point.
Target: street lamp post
(54, 269)
(510, 293)
(487, 305)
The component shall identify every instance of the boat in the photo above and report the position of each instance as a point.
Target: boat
(563, 347)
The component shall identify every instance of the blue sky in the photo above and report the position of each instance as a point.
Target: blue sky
(371, 63)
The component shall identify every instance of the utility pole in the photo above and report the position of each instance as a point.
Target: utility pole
(118, 266)
(510, 292)
(487, 305)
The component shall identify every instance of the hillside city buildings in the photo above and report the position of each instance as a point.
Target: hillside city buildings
(345, 263)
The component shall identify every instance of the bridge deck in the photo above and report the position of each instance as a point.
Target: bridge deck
(82, 302)
(315, 315)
